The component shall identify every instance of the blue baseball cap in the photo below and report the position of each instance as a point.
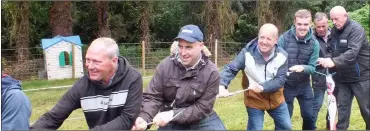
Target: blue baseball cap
(190, 33)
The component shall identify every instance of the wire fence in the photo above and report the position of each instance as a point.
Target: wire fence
(141, 56)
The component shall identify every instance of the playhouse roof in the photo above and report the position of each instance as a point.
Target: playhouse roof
(46, 43)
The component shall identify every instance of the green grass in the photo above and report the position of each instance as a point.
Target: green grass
(36, 84)
(231, 110)
(46, 83)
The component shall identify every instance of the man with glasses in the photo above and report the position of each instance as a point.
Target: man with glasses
(322, 33)
(110, 95)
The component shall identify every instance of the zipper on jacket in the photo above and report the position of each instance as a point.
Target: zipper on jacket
(265, 71)
(358, 69)
(265, 80)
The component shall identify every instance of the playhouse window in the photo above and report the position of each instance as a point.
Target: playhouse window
(65, 59)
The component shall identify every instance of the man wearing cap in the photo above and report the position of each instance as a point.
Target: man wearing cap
(183, 90)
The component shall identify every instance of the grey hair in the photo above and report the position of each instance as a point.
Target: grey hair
(320, 15)
(109, 44)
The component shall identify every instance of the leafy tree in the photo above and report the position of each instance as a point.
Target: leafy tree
(271, 12)
(246, 27)
(125, 21)
(84, 21)
(362, 16)
(145, 9)
(19, 27)
(39, 22)
(169, 16)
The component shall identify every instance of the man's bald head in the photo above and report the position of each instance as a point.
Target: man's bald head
(267, 38)
(339, 16)
(338, 9)
(269, 29)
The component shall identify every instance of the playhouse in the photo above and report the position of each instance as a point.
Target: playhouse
(63, 57)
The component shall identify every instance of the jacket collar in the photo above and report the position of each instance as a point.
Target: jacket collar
(346, 24)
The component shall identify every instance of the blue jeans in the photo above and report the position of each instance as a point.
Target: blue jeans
(317, 102)
(213, 122)
(280, 115)
(304, 94)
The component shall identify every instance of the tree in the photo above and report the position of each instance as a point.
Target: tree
(362, 16)
(39, 23)
(102, 16)
(61, 18)
(169, 16)
(145, 9)
(219, 19)
(247, 23)
(84, 20)
(271, 12)
(124, 21)
(19, 33)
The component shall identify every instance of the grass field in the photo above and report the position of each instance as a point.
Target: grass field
(231, 110)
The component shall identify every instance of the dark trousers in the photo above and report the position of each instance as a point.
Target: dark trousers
(304, 94)
(346, 92)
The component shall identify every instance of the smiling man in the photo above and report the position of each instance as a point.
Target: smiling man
(265, 65)
(183, 90)
(303, 52)
(110, 95)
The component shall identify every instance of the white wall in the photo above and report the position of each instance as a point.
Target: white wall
(54, 71)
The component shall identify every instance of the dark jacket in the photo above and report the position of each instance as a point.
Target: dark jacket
(318, 80)
(270, 74)
(106, 107)
(351, 54)
(300, 52)
(15, 105)
(194, 90)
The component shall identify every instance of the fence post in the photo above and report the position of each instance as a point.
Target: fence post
(143, 56)
(216, 43)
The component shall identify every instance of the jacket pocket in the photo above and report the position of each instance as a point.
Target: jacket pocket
(170, 89)
(343, 43)
(196, 91)
(319, 80)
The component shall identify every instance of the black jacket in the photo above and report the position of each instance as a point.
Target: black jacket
(351, 53)
(318, 80)
(106, 107)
